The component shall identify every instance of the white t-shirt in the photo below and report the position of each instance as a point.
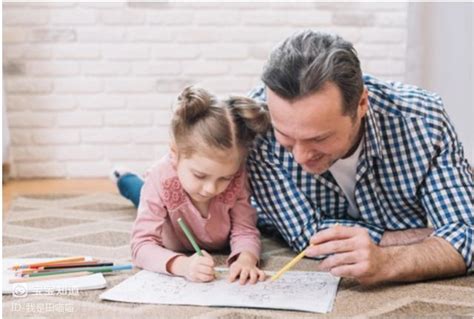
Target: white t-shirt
(344, 171)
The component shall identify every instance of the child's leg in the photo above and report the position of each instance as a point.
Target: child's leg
(130, 186)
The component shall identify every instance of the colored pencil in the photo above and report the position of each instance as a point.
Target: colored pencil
(89, 269)
(52, 277)
(292, 262)
(28, 271)
(47, 263)
(288, 265)
(75, 265)
(190, 236)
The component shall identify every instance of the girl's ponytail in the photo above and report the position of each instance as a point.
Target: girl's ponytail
(251, 118)
(193, 104)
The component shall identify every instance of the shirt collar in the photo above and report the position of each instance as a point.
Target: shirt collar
(372, 135)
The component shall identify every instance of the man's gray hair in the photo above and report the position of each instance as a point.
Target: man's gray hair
(307, 60)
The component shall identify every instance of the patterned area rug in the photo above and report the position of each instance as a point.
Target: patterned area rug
(99, 225)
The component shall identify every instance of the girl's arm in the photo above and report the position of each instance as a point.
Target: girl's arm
(244, 240)
(244, 235)
(147, 244)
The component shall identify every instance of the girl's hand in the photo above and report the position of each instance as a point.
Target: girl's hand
(200, 268)
(195, 268)
(245, 267)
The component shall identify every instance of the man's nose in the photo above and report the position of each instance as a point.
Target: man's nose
(301, 153)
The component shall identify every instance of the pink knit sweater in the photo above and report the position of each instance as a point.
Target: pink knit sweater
(157, 237)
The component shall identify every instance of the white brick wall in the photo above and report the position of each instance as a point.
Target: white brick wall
(90, 85)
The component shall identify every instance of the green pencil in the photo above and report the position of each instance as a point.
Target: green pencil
(89, 269)
(190, 236)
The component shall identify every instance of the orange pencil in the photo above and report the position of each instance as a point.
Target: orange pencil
(71, 264)
(47, 263)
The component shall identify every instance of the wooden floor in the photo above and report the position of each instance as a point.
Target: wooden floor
(13, 188)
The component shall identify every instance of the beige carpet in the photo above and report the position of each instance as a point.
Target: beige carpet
(99, 225)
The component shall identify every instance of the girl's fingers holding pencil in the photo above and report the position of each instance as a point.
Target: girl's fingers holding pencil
(208, 260)
(205, 277)
(204, 269)
(200, 268)
(200, 274)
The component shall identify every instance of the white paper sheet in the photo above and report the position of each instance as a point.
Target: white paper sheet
(295, 290)
(63, 286)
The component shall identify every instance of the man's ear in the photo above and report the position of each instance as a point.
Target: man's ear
(173, 154)
(363, 106)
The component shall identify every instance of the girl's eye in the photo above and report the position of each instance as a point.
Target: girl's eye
(227, 179)
(199, 176)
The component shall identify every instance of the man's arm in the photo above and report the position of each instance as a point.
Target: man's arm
(353, 254)
(432, 258)
(404, 237)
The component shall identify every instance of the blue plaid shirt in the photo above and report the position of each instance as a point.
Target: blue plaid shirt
(411, 170)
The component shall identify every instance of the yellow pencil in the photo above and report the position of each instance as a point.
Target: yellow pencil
(289, 265)
(293, 262)
(51, 277)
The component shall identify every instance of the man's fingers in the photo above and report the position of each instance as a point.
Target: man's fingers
(340, 259)
(349, 271)
(331, 247)
(335, 233)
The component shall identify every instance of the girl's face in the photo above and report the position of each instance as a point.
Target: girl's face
(204, 175)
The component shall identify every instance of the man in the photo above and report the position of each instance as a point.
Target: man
(357, 168)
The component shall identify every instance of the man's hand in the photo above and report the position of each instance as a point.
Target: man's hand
(245, 267)
(195, 268)
(352, 253)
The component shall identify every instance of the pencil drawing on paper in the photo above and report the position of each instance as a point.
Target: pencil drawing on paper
(297, 290)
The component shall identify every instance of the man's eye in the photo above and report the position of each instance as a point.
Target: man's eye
(319, 140)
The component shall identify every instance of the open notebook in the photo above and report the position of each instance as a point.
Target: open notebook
(94, 281)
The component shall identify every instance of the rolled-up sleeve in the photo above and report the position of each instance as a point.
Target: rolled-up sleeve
(447, 195)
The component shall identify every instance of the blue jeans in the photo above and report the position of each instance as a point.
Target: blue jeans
(130, 186)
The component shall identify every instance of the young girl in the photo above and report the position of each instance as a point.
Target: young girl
(203, 181)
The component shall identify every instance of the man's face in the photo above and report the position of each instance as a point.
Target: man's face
(314, 128)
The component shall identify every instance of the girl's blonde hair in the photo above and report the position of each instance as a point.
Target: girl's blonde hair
(202, 119)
